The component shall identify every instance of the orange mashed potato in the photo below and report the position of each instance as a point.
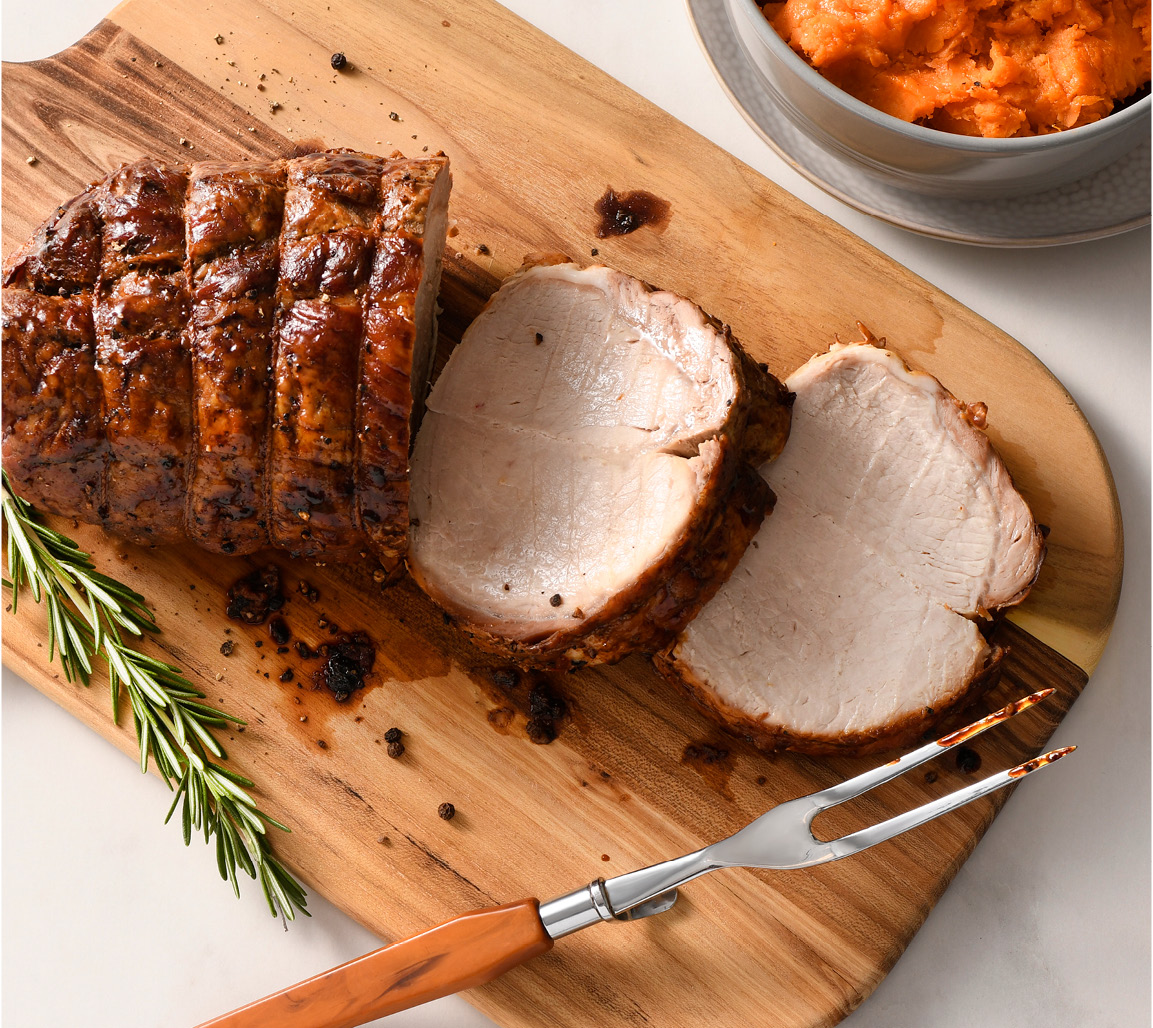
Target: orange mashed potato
(978, 67)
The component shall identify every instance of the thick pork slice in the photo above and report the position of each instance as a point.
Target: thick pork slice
(851, 623)
(580, 483)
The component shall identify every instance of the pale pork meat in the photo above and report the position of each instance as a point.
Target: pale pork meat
(582, 481)
(853, 620)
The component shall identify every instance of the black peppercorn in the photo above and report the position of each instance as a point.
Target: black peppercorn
(339, 61)
(393, 735)
(226, 647)
(396, 749)
(447, 811)
(555, 600)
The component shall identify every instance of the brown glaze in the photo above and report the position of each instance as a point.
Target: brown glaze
(234, 215)
(140, 310)
(622, 213)
(1045, 758)
(393, 368)
(348, 660)
(1006, 712)
(55, 450)
(713, 761)
(540, 705)
(182, 352)
(256, 595)
(326, 251)
(53, 409)
(463, 953)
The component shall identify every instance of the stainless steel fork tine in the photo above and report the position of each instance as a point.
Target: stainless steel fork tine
(847, 790)
(847, 845)
(782, 839)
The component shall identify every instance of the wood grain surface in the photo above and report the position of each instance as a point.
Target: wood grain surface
(636, 774)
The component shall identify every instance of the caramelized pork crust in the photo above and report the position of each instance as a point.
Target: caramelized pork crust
(183, 351)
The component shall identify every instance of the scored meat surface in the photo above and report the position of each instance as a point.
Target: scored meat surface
(232, 353)
(582, 481)
(852, 621)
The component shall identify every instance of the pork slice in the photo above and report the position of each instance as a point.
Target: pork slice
(140, 312)
(581, 447)
(233, 213)
(54, 447)
(851, 621)
(326, 252)
(399, 308)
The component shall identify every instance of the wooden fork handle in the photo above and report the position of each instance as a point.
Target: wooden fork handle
(467, 951)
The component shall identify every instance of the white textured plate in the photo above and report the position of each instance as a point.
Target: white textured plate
(1116, 199)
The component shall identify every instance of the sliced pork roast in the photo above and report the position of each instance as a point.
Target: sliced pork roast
(583, 480)
(852, 623)
(231, 353)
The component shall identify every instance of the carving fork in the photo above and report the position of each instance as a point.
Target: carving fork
(477, 947)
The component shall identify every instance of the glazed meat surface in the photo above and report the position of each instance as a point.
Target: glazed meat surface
(232, 353)
(234, 214)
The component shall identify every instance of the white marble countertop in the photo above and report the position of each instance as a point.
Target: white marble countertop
(109, 921)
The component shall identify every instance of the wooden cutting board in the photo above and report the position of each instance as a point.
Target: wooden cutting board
(536, 135)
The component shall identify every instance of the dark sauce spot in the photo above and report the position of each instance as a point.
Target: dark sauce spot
(627, 212)
(252, 598)
(347, 660)
(545, 702)
(540, 731)
(712, 761)
(505, 678)
(705, 753)
(968, 760)
(545, 707)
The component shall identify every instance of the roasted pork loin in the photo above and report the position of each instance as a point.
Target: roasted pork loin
(852, 623)
(583, 480)
(236, 354)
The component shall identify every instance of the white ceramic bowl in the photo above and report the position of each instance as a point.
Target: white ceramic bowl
(922, 159)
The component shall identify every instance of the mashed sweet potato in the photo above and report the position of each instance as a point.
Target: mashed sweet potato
(978, 67)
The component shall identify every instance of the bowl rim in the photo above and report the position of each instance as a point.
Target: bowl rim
(921, 133)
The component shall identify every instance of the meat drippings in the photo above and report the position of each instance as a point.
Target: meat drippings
(348, 660)
(254, 597)
(622, 213)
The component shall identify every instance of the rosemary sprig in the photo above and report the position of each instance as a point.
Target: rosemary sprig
(89, 615)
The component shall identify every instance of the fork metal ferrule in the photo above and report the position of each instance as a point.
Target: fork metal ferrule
(576, 910)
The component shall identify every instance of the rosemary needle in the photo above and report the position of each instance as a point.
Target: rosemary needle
(91, 615)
